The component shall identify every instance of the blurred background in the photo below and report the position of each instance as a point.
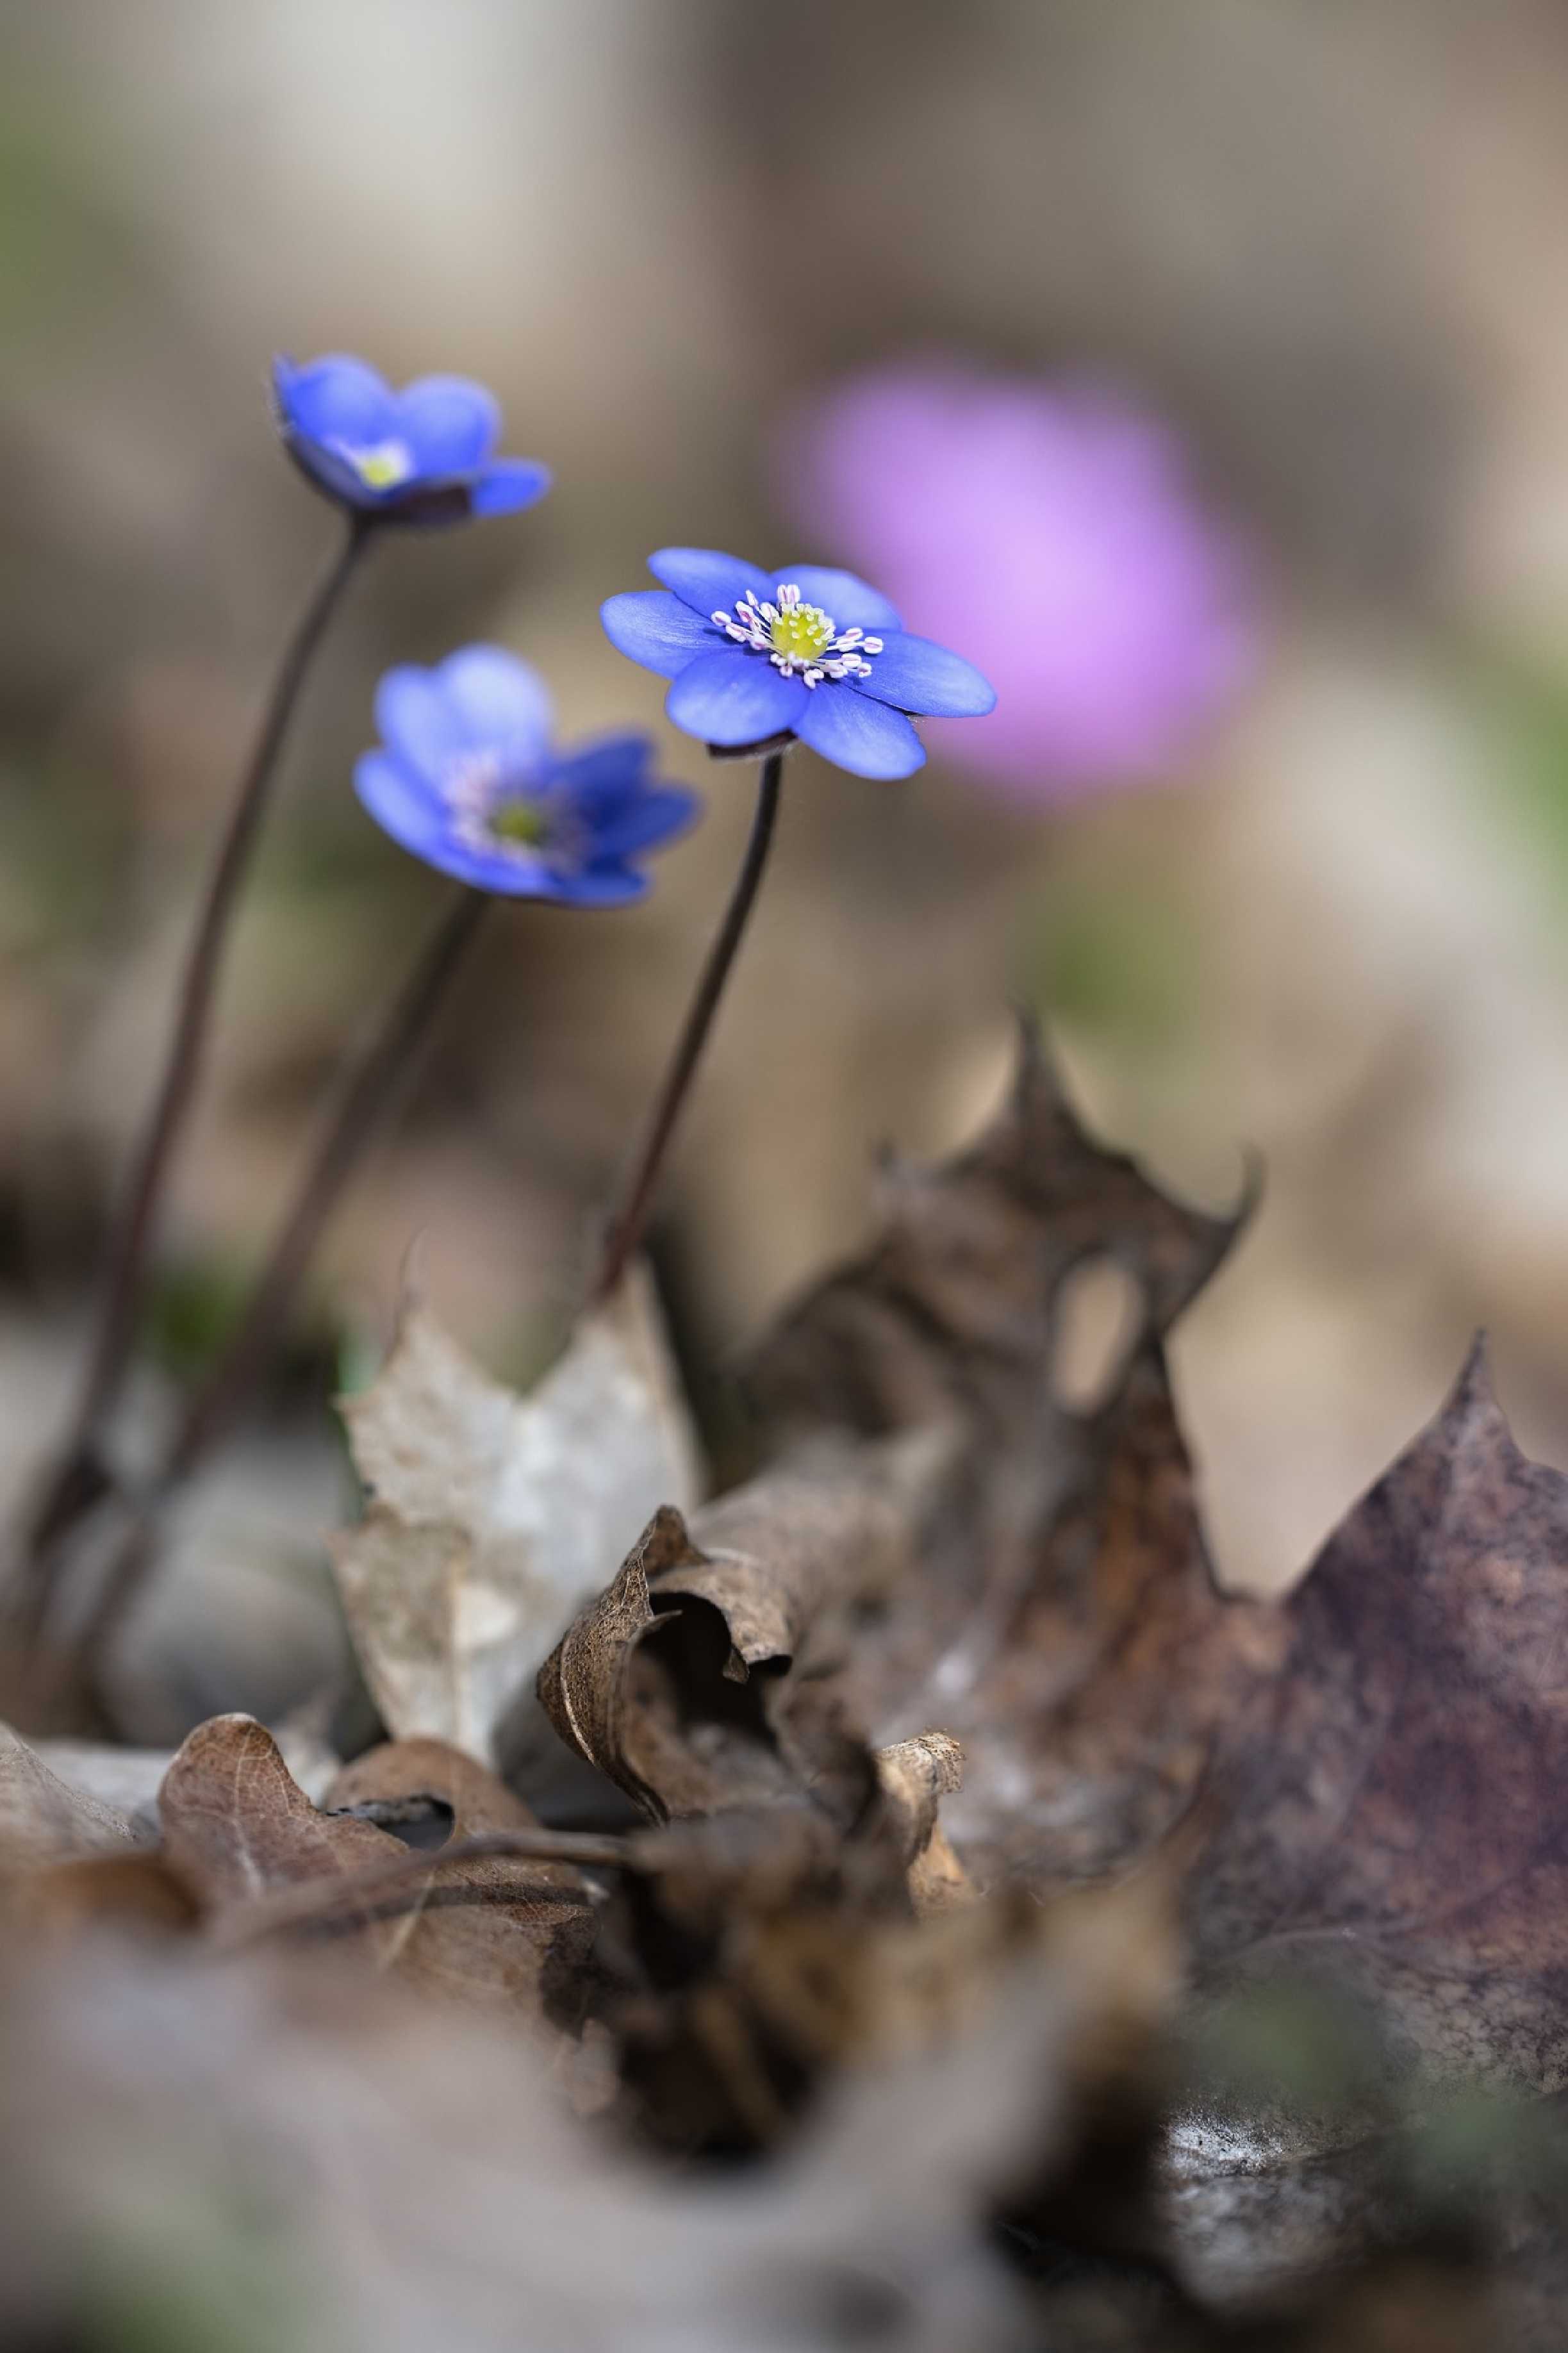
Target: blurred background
(1201, 372)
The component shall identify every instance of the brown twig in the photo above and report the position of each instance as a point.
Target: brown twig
(316, 1903)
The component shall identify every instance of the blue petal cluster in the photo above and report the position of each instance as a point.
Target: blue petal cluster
(807, 651)
(467, 779)
(424, 455)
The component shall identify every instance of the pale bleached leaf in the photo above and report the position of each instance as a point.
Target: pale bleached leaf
(492, 1515)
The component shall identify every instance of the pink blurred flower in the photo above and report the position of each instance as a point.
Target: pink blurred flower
(1054, 533)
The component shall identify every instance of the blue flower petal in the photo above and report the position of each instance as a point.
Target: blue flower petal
(734, 697)
(602, 777)
(603, 886)
(496, 703)
(657, 629)
(402, 804)
(853, 605)
(507, 485)
(419, 722)
(654, 816)
(417, 822)
(449, 424)
(915, 675)
(868, 738)
(509, 877)
(709, 583)
(338, 398)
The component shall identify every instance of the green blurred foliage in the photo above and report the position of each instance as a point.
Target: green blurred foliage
(1522, 705)
(203, 2272)
(63, 237)
(1117, 962)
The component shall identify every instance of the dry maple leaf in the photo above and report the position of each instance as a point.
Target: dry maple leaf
(1379, 1831)
(1388, 1800)
(1058, 1612)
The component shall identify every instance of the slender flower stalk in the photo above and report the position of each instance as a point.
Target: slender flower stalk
(78, 1478)
(362, 1109)
(626, 1232)
(758, 658)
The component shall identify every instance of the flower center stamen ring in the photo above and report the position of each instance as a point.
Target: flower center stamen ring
(491, 811)
(797, 637)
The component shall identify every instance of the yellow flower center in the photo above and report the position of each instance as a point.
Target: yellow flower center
(525, 822)
(383, 465)
(801, 639)
(801, 632)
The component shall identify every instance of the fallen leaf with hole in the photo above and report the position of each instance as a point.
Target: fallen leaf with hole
(500, 1932)
(497, 1931)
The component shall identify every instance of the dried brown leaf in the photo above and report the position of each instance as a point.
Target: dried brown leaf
(490, 1931)
(1054, 1605)
(237, 1825)
(138, 1894)
(493, 1932)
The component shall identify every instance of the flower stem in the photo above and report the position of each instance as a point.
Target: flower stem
(79, 1478)
(361, 1110)
(626, 1232)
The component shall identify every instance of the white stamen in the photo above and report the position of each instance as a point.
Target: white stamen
(814, 645)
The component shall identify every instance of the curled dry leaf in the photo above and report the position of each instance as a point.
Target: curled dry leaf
(491, 1515)
(707, 1674)
(916, 1775)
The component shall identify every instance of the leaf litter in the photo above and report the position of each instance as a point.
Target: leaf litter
(983, 1930)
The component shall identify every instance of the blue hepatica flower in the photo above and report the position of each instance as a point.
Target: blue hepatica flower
(424, 455)
(468, 780)
(752, 656)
